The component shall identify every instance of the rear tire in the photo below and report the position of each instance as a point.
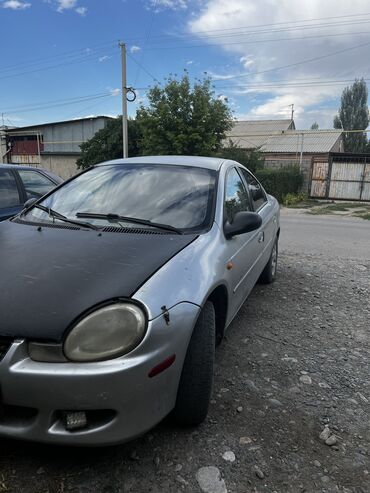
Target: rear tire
(269, 272)
(195, 387)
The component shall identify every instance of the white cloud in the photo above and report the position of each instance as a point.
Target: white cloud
(66, 5)
(16, 5)
(189, 62)
(247, 61)
(262, 48)
(159, 5)
(104, 58)
(63, 5)
(115, 92)
(81, 11)
(134, 49)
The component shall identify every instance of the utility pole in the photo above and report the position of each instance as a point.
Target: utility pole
(124, 101)
(292, 114)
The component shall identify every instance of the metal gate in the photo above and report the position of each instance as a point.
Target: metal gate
(341, 176)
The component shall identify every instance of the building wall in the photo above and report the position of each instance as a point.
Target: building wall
(62, 165)
(69, 136)
(279, 160)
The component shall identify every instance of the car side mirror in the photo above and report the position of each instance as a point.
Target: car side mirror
(28, 203)
(244, 222)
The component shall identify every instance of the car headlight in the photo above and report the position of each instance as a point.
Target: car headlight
(106, 333)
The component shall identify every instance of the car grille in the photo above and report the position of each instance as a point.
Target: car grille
(5, 343)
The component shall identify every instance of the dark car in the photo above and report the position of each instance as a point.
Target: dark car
(21, 183)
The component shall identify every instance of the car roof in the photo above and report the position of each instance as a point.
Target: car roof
(17, 166)
(196, 161)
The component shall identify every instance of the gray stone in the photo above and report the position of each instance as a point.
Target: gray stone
(325, 434)
(245, 440)
(305, 379)
(258, 472)
(210, 480)
(181, 480)
(316, 463)
(178, 467)
(332, 440)
(229, 456)
(239, 409)
(251, 386)
(275, 403)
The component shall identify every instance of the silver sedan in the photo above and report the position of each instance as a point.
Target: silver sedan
(117, 286)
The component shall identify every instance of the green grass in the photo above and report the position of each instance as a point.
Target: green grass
(364, 216)
(363, 209)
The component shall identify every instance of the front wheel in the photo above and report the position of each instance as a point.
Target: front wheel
(269, 272)
(196, 380)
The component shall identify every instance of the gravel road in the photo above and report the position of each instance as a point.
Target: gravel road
(294, 363)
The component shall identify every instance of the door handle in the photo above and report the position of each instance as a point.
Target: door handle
(261, 237)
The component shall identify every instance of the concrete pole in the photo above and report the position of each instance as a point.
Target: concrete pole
(124, 101)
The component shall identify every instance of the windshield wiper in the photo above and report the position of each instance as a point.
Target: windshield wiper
(57, 215)
(134, 220)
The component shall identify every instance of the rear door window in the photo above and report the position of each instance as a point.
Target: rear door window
(9, 193)
(36, 184)
(256, 191)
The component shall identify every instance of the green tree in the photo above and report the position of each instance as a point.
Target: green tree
(353, 114)
(252, 160)
(107, 143)
(315, 126)
(182, 118)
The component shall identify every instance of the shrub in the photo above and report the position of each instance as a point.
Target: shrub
(281, 181)
(294, 199)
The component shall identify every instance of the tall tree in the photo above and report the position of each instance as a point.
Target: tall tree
(353, 114)
(107, 143)
(315, 126)
(182, 118)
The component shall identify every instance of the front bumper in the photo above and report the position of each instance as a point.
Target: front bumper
(121, 401)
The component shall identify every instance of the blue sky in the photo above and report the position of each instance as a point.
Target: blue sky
(262, 55)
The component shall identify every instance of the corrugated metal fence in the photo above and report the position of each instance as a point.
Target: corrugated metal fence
(341, 176)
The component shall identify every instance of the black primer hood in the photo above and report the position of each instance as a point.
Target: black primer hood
(50, 277)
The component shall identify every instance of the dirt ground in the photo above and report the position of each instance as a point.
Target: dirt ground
(296, 358)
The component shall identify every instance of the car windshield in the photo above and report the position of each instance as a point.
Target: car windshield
(178, 196)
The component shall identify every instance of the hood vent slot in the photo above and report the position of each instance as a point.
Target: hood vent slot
(47, 225)
(135, 231)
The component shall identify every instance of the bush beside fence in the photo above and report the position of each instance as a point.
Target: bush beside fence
(280, 182)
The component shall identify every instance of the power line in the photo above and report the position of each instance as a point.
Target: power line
(142, 67)
(82, 51)
(67, 54)
(232, 33)
(256, 41)
(286, 22)
(302, 62)
(62, 64)
(58, 104)
(149, 28)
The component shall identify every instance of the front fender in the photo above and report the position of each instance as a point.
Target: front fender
(190, 276)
